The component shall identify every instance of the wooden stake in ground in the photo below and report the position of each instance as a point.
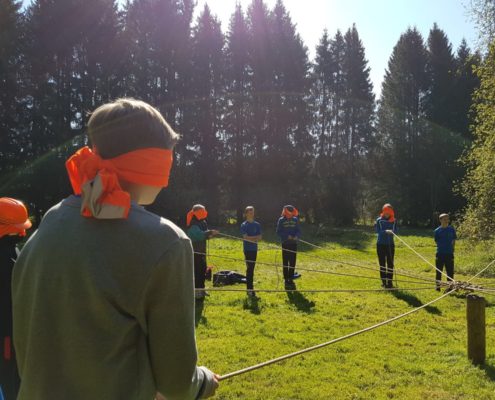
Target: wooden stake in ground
(476, 332)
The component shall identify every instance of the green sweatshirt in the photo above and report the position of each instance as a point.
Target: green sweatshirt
(104, 309)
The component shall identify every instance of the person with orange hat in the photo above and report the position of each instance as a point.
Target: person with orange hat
(386, 226)
(103, 295)
(289, 232)
(198, 232)
(14, 221)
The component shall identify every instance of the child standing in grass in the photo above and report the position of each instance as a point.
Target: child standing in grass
(386, 226)
(251, 232)
(103, 290)
(198, 232)
(289, 232)
(445, 237)
(13, 224)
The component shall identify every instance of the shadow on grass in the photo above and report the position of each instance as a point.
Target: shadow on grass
(199, 318)
(252, 304)
(413, 301)
(301, 302)
(489, 371)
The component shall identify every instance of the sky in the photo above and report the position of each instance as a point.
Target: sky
(379, 22)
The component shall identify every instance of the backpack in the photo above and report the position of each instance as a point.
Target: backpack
(224, 278)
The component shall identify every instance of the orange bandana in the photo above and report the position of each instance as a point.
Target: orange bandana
(14, 219)
(289, 214)
(389, 211)
(97, 179)
(200, 214)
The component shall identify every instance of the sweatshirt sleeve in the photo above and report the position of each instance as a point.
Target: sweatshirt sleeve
(196, 234)
(298, 230)
(167, 311)
(280, 228)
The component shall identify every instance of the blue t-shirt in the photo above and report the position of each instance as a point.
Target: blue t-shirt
(382, 225)
(250, 229)
(288, 227)
(445, 239)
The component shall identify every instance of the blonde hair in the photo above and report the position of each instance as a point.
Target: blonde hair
(127, 124)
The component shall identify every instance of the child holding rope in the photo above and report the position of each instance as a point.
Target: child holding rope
(445, 237)
(13, 224)
(251, 232)
(103, 291)
(386, 226)
(198, 232)
(289, 232)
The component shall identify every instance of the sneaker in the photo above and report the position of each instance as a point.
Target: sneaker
(251, 293)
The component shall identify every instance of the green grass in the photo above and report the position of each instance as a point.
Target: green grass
(420, 357)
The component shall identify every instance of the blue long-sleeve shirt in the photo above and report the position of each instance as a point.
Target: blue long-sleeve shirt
(382, 225)
(288, 227)
(445, 238)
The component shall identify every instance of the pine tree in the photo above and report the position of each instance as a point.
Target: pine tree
(205, 113)
(401, 131)
(239, 144)
(343, 101)
(444, 143)
(466, 82)
(12, 138)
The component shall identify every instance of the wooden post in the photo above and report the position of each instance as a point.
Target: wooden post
(475, 314)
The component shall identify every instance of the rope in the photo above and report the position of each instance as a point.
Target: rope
(312, 290)
(397, 271)
(319, 346)
(314, 270)
(480, 272)
(420, 256)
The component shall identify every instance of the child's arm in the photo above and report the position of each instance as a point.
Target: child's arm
(297, 234)
(196, 234)
(166, 314)
(280, 228)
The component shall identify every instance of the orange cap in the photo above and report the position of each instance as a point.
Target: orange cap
(13, 217)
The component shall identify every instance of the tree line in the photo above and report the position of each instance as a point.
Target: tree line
(260, 122)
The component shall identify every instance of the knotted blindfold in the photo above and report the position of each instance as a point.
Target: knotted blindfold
(97, 179)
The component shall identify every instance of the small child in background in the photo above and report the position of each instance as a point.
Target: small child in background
(289, 232)
(251, 232)
(386, 226)
(198, 232)
(13, 224)
(445, 237)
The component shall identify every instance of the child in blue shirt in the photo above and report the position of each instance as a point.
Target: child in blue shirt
(386, 226)
(445, 237)
(251, 232)
(198, 232)
(289, 232)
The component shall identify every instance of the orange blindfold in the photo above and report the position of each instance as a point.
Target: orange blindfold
(390, 212)
(289, 214)
(200, 214)
(97, 179)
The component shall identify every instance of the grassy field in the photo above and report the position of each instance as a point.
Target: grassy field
(420, 357)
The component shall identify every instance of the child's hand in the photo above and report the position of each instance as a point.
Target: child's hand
(214, 232)
(389, 231)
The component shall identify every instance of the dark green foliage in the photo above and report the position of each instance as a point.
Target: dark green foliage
(260, 124)
(479, 184)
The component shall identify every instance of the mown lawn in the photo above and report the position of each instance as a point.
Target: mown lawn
(420, 357)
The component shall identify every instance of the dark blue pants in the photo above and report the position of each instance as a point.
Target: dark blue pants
(447, 261)
(250, 257)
